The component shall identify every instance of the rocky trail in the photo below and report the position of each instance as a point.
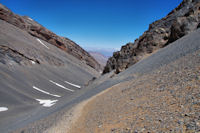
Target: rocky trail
(165, 99)
(49, 84)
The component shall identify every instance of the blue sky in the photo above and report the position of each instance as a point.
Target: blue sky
(99, 24)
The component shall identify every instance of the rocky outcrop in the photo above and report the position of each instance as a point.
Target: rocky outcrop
(10, 56)
(32, 27)
(179, 22)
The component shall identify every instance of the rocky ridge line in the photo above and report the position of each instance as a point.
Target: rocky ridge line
(32, 27)
(179, 22)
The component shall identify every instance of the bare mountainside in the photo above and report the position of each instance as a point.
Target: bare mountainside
(181, 21)
(100, 58)
(33, 28)
(157, 94)
(36, 77)
(41, 84)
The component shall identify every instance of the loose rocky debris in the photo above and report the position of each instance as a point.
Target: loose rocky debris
(9, 56)
(165, 100)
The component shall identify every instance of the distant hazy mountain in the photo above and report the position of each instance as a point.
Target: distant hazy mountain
(107, 52)
(102, 59)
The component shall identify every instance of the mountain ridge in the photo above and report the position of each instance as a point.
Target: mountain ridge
(179, 22)
(37, 30)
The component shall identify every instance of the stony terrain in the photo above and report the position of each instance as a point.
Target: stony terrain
(48, 84)
(8, 55)
(160, 93)
(179, 22)
(36, 78)
(35, 29)
(164, 100)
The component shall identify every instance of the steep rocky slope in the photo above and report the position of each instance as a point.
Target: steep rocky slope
(155, 102)
(33, 28)
(160, 94)
(179, 22)
(36, 78)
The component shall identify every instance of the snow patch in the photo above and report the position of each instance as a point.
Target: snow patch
(33, 62)
(3, 109)
(45, 92)
(46, 103)
(42, 43)
(61, 86)
(78, 86)
(30, 19)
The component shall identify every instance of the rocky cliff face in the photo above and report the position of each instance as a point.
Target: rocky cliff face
(32, 27)
(179, 22)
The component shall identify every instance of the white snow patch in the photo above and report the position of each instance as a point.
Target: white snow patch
(33, 62)
(78, 86)
(3, 109)
(45, 92)
(30, 19)
(47, 103)
(61, 86)
(42, 43)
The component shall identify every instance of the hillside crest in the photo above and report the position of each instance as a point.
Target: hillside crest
(179, 22)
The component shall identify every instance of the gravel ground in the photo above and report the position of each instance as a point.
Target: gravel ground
(164, 100)
(67, 119)
(158, 94)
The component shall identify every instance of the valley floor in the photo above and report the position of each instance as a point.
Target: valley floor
(164, 100)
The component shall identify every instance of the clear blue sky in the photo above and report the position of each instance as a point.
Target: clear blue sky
(95, 23)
